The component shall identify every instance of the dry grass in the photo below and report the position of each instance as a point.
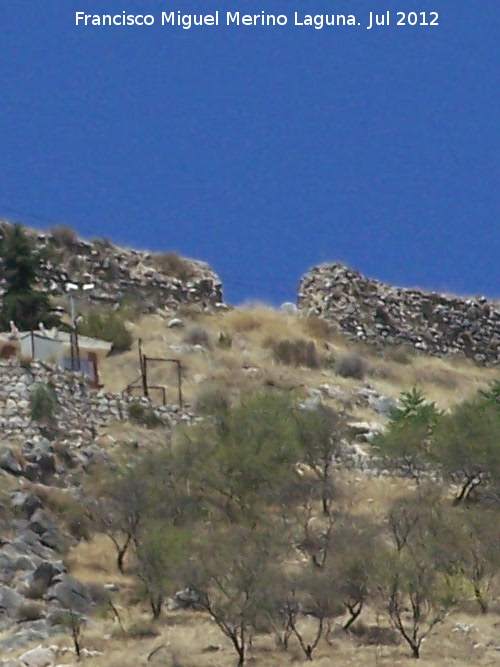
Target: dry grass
(249, 363)
(190, 639)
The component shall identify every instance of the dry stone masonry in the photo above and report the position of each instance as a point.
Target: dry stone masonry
(372, 311)
(80, 411)
(152, 281)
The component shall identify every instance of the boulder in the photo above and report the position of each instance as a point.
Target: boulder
(9, 463)
(38, 657)
(70, 593)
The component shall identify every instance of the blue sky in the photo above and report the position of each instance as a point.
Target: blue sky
(262, 150)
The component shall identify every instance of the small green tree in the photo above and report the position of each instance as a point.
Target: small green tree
(320, 434)
(120, 508)
(415, 577)
(244, 460)
(161, 550)
(466, 443)
(406, 445)
(314, 592)
(22, 303)
(235, 571)
(476, 549)
(418, 597)
(43, 402)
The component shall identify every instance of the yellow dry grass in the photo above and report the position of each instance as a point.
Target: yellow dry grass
(249, 363)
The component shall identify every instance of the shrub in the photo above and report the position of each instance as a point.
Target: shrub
(108, 326)
(63, 235)
(318, 327)
(43, 402)
(224, 339)
(173, 265)
(297, 353)
(143, 415)
(401, 354)
(211, 400)
(350, 366)
(197, 336)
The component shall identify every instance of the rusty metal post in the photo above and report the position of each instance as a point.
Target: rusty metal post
(145, 375)
(179, 381)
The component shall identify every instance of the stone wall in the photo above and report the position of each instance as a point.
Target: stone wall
(372, 311)
(147, 280)
(80, 411)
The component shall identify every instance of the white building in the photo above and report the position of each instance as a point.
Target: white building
(57, 347)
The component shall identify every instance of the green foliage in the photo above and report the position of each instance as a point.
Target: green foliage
(320, 433)
(22, 303)
(161, 550)
(417, 575)
(226, 509)
(142, 414)
(413, 584)
(244, 458)
(474, 551)
(237, 573)
(212, 401)
(19, 263)
(108, 326)
(261, 445)
(414, 406)
(466, 443)
(43, 403)
(407, 442)
(493, 392)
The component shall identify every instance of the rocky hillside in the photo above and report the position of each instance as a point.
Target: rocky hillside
(148, 280)
(372, 311)
(65, 447)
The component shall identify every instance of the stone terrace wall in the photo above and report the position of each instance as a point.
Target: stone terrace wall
(378, 313)
(80, 410)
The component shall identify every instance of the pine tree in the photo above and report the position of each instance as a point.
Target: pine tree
(22, 303)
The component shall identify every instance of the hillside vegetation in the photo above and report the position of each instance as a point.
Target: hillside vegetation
(317, 499)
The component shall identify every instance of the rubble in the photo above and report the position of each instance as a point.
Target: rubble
(376, 313)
